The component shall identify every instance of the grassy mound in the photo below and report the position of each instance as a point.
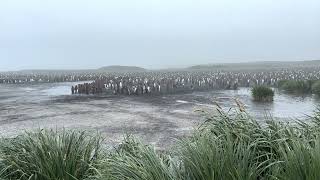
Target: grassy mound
(228, 145)
(262, 93)
(293, 86)
(134, 160)
(225, 146)
(48, 155)
(300, 86)
(316, 88)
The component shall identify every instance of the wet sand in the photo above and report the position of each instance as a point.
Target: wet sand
(159, 120)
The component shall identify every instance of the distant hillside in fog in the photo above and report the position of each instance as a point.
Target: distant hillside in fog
(121, 69)
(248, 66)
(53, 71)
(106, 69)
(256, 65)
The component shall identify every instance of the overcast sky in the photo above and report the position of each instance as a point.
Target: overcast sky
(76, 34)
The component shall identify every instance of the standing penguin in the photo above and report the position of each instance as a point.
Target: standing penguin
(72, 90)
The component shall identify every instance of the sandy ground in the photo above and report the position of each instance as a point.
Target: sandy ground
(154, 123)
(159, 120)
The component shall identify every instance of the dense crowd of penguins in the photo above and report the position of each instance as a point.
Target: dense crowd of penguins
(22, 78)
(140, 83)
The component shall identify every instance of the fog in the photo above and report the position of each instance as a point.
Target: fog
(74, 34)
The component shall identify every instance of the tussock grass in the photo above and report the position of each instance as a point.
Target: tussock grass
(228, 145)
(262, 93)
(134, 160)
(48, 155)
(300, 86)
(316, 88)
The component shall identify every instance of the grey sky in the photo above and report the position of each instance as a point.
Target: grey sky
(73, 34)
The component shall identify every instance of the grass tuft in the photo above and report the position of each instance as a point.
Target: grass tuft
(262, 93)
(48, 155)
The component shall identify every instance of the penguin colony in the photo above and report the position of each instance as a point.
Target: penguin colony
(157, 82)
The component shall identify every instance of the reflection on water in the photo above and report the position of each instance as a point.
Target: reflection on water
(284, 105)
(18, 93)
(57, 91)
(28, 89)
